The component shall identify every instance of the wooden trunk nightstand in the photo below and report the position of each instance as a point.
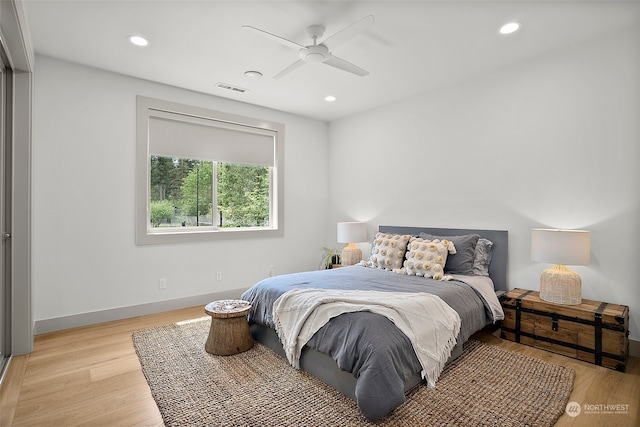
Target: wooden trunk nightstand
(594, 331)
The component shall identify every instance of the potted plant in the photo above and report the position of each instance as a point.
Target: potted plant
(330, 258)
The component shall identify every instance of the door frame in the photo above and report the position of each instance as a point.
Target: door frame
(16, 41)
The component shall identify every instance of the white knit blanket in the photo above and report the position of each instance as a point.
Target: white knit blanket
(429, 323)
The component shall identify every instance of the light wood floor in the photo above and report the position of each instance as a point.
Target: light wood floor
(91, 376)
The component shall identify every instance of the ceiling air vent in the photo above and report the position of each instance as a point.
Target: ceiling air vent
(230, 87)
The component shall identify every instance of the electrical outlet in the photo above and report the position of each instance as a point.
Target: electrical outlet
(272, 270)
(219, 275)
(162, 284)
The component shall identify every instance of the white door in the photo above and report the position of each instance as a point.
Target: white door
(5, 225)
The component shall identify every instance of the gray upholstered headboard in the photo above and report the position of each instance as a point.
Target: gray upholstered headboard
(500, 239)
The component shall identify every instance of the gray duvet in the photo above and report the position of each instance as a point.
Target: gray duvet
(365, 344)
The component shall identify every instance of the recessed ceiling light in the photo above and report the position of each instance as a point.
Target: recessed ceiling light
(330, 98)
(253, 74)
(138, 40)
(510, 28)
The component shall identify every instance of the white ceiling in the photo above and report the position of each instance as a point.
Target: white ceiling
(413, 46)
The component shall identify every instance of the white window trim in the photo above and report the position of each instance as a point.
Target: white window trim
(147, 236)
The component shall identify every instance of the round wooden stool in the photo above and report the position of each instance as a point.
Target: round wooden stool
(229, 333)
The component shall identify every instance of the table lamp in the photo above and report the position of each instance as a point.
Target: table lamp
(351, 233)
(559, 284)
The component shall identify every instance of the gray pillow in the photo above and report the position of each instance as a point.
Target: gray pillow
(483, 257)
(462, 261)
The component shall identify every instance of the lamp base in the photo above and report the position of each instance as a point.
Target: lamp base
(351, 254)
(561, 285)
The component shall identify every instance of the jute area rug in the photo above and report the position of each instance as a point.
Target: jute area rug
(486, 386)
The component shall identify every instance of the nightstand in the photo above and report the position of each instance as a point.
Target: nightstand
(229, 332)
(594, 331)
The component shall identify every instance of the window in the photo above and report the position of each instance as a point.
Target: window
(204, 175)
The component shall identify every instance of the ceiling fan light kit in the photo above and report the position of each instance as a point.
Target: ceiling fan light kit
(316, 53)
(321, 52)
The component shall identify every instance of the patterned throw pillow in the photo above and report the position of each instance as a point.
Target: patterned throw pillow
(461, 261)
(388, 251)
(427, 257)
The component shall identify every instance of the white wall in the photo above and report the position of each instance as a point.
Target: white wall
(553, 142)
(84, 253)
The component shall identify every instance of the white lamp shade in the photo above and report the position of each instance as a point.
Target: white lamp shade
(564, 247)
(352, 232)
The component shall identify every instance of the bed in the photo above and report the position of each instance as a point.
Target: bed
(365, 355)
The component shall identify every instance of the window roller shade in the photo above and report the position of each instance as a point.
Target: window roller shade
(209, 140)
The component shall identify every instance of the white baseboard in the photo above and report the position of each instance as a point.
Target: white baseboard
(91, 318)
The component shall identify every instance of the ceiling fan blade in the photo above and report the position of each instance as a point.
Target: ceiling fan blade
(341, 64)
(299, 63)
(347, 33)
(273, 37)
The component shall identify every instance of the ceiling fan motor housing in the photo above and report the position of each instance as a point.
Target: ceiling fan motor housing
(314, 53)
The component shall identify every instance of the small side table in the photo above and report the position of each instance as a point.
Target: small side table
(229, 333)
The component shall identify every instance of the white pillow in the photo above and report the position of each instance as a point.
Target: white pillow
(427, 257)
(388, 251)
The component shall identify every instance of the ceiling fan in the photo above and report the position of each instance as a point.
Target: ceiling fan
(321, 52)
